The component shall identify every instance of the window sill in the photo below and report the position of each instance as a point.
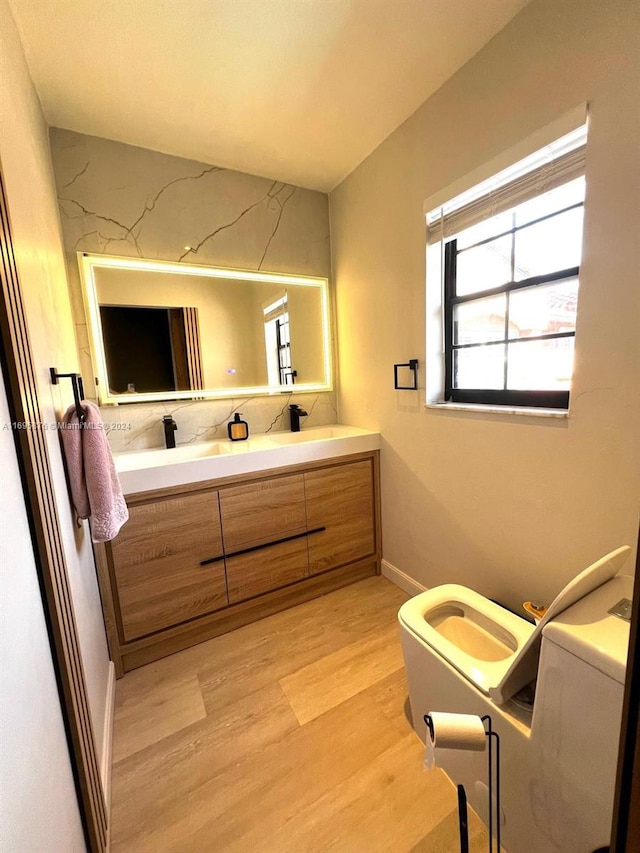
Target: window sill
(522, 411)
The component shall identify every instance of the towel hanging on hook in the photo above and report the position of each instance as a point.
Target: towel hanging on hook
(93, 481)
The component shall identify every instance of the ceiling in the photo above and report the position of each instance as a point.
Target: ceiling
(296, 90)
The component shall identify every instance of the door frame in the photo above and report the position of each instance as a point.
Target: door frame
(625, 829)
(37, 483)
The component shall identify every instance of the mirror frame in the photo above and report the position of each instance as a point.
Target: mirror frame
(90, 263)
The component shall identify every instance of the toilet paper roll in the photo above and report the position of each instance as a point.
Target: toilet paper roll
(452, 731)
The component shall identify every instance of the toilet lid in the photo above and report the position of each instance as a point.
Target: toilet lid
(591, 578)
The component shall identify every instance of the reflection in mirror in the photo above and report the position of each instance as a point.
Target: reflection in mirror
(163, 330)
(151, 349)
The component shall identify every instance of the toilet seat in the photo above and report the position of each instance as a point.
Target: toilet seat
(504, 625)
(424, 615)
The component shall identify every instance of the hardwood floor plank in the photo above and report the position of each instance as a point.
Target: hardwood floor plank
(146, 783)
(153, 711)
(249, 776)
(392, 696)
(270, 784)
(388, 805)
(326, 683)
(292, 775)
(287, 642)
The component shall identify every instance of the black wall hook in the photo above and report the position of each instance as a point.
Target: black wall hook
(77, 386)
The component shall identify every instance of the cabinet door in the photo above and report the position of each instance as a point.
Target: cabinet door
(262, 512)
(255, 517)
(340, 498)
(267, 568)
(156, 563)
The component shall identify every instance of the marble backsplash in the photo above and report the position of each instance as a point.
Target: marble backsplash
(139, 426)
(124, 200)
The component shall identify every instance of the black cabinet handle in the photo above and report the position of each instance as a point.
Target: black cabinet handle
(264, 545)
(212, 560)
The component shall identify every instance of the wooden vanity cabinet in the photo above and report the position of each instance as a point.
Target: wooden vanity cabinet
(200, 560)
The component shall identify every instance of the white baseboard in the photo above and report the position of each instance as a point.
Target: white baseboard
(107, 736)
(399, 578)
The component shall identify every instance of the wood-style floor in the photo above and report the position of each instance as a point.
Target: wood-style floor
(287, 735)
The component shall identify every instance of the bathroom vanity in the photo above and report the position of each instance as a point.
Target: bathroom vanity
(220, 536)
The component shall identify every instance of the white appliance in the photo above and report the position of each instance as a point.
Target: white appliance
(466, 654)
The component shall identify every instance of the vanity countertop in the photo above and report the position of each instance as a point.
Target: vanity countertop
(146, 470)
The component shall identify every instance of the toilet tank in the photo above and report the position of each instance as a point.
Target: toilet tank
(576, 720)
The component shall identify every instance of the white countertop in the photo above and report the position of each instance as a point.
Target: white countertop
(146, 470)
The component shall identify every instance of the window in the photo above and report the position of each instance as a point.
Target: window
(287, 373)
(510, 267)
(278, 343)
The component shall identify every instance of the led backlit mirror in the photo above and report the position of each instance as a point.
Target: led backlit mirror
(163, 331)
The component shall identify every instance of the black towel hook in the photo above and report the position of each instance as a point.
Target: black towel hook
(77, 386)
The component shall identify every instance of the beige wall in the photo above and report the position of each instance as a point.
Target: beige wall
(27, 172)
(305, 307)
(512, 506)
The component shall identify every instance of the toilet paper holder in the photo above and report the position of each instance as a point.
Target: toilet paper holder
(493, 772)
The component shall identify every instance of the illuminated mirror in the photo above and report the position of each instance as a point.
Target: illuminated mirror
(163, 331)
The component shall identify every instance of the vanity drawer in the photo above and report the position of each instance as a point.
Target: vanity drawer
(258, 513)
(267, 568)
(156, 564)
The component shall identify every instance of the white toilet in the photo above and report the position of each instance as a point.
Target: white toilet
(465, 654)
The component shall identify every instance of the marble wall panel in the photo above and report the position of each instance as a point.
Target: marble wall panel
(123, 200)
(139, 426)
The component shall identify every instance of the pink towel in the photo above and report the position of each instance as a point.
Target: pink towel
(95, 488)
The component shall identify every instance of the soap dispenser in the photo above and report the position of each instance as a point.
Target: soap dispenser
(237, 428)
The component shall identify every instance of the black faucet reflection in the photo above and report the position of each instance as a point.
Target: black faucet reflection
(295, 413)
(170, 427)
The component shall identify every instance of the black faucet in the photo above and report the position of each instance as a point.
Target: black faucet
(170, 427)
(295, 413)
